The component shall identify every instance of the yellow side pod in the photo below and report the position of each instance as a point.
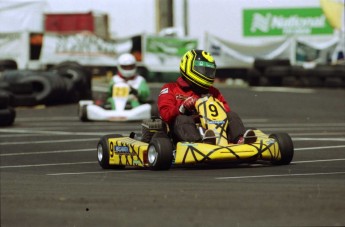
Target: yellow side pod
(263, 149)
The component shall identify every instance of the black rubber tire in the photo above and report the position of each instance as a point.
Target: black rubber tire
(82, 112)
(7, 116)
(21, 88)
(12, 76)
(285, 146)
(103, 160)
(25, 100)
(262, 64)
(253, 77)
(41, 86)
(4, 85)
(160, 154)
(6, 99)
(275, 74)
(79, 77)
(48, 87)
(160, 134)
(8, 64)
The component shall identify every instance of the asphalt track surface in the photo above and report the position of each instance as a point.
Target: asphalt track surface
(50, 175)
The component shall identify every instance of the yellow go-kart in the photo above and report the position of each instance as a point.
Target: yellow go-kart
(155, 149)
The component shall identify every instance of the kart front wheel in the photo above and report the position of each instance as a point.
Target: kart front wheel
(160, 153)
(103, 152)
(285, 147)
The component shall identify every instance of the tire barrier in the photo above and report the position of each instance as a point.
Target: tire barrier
(262, 64)
(77, 78)
(265, 74)
(67, 82)
(7, 112)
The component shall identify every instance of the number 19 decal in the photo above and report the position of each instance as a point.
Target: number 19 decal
(213, 109)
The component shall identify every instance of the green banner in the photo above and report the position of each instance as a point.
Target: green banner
(277, 22)
(169, 45)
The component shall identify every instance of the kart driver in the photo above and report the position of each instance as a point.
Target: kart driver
(127, 73)
(176, 101)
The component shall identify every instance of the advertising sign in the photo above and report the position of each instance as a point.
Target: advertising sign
(169, 45)
(85, 48)
(287, 21)
(164, 53)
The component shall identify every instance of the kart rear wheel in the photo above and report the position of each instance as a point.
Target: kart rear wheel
(160, 153)
(103, 152)
(83, 113)
(285, 147)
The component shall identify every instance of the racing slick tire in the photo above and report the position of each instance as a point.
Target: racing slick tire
(160, 153)
(285, 147)
(83, 113)
(103, 152)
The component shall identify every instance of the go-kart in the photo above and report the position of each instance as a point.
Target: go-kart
(89, 111)
(155, 149)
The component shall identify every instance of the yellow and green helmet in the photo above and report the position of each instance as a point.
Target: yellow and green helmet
(199, 68)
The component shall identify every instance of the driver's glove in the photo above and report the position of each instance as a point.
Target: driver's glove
(188, 105)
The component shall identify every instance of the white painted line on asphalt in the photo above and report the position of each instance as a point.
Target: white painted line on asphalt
(50, 164)
(47, 152)
(337, 124)
(326, 160)
(278, 175)
(48, 141)
(82, 173)
(254, 120)
(318, 134)
(318, 148)
(21, 135)
(50, 132)
(50, 119)
(94, 162)
(94, 149)
(318, 139)
(306, 128)
(284, 89)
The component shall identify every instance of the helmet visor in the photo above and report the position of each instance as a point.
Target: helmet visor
(205, 68)
(128, 67)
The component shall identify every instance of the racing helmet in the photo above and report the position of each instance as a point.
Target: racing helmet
(126, 65)
(198, 68)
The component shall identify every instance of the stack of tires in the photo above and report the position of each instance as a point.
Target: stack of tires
(281, 73)
(7, 111)
(268, 72)
(67, 82)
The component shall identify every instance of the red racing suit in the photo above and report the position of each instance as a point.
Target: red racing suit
(173, 94)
